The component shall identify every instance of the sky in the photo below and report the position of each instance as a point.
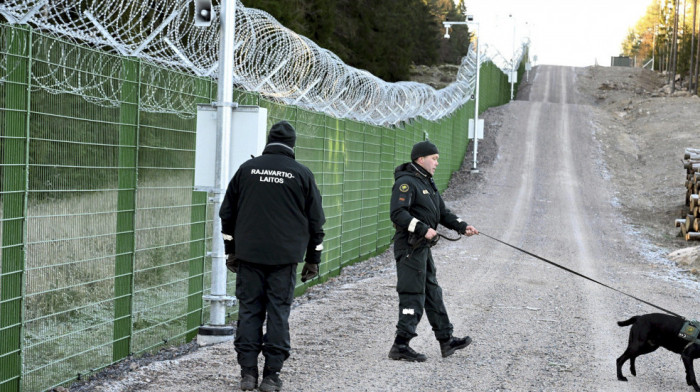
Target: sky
(562, 32)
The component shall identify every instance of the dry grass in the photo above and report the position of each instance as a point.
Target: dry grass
(70, 275)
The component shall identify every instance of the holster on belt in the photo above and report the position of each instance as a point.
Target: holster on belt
(416, 240)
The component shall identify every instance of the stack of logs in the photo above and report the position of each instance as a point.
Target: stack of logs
(690, 226)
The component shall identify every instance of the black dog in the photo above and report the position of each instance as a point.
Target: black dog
(651, 331)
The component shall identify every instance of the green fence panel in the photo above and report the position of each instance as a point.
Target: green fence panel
(195, 283)
(198, 241)
(443, 171)
(352, 191)
(277, 112)
(333, 178)
(14, 119)
(460, 132)
(370, 185)
(162, 262)
(310, 151)
(385, 228)
(72, 215)
(404, 142)
(246, 98)
(456, 157)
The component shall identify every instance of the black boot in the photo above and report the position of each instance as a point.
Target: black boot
(249, 378)
(271, 380)
(405, 352)
(449, 346)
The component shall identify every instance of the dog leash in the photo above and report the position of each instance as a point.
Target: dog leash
(583, 276)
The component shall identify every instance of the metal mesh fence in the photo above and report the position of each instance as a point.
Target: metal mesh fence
(103, 239)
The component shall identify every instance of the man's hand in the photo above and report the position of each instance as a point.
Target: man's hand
(232, 263)
(309, 271)
(430, 234)
(470, 231)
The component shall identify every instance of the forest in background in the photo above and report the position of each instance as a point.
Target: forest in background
(667, 22)
(383, 37)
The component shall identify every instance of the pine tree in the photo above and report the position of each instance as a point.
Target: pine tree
(382, 37)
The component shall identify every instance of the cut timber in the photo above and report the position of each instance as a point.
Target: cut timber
(692, 236)
(689, 219)
(694, 200)
(688, 165)
(680, 222)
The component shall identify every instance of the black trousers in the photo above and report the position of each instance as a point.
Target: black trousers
(264, 292)
(419, 291)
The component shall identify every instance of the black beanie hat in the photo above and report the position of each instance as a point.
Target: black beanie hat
(282, 132)
(423, 149)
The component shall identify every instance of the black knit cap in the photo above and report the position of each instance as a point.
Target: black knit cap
(282, 132)
(423, 149)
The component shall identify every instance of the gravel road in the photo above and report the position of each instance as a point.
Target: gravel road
(543, 186)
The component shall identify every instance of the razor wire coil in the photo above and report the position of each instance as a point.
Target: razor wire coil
(269, 59)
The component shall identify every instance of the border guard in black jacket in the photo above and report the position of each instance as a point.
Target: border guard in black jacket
(416, 210)
(271, 215)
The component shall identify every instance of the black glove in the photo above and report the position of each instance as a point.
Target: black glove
(462, 228)
(232, 263)
(313, 256)
(229, 244)
(309, 271)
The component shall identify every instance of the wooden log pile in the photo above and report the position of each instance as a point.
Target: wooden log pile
(690, 225)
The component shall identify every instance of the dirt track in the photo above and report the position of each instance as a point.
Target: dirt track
(546, 188)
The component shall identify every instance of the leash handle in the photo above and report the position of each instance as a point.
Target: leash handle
(450, 239)
(582, 275)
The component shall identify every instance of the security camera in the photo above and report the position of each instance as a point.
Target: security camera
(203, 13)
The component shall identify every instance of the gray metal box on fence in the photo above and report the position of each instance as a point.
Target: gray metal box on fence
(479, 129)
(248, 136)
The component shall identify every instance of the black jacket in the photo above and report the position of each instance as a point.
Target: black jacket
(273, 210)
(416, 205)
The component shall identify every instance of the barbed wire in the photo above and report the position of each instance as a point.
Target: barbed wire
(504, 62)
(268, 59)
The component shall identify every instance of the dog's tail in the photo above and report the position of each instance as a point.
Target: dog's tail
(627, 322)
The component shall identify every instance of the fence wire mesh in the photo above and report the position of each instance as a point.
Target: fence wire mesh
(102, 237)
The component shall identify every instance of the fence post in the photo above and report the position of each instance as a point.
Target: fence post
(14, 196)
(126, 208)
